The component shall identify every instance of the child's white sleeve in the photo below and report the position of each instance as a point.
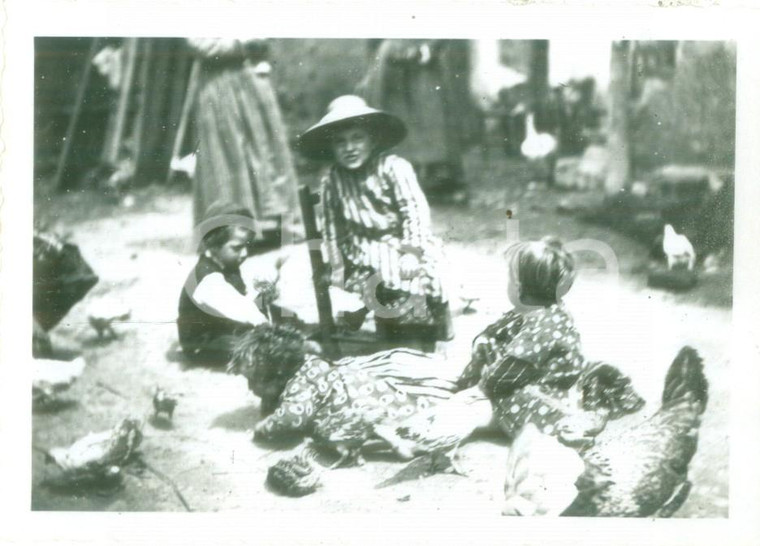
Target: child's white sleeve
(216, 296)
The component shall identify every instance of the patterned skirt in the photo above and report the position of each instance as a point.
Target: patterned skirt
(372, 271)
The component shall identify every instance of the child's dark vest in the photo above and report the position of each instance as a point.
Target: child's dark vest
(196, 327)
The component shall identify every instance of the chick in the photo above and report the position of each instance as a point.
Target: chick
(103, 313)
(163, 403)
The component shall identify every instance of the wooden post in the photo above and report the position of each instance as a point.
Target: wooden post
(618, 144)
(192, 88)
(318, 266)
(70, 130)
(180, 70)
(538, 79)
(155, 146)
(138, 128)
(112, 151)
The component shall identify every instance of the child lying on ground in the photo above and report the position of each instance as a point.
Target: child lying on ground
(214, 306)
(343, 403)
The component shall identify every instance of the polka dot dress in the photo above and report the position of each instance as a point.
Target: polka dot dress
(540, 347)
(518, 354)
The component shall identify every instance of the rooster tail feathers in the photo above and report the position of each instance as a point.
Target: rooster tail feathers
(686, 379)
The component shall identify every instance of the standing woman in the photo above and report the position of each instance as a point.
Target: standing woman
(376, 222)
(426, 83)
(243, 154)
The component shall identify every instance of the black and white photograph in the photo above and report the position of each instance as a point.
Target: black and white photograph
(419, 276)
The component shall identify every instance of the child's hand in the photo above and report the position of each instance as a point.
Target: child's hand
(409, 266)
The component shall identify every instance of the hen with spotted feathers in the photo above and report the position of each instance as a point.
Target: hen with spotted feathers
(640, 472)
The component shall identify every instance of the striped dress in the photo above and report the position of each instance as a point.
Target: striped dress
(374, 215)
(389, 386)
(243, 155)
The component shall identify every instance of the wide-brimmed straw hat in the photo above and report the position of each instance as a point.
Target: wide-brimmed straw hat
(387, 129)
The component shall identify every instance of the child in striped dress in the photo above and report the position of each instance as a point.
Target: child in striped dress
(376, 220)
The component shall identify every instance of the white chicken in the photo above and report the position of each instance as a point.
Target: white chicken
(54, 376)
(103, 313)
(678, 249)
(539, 148)
(639, 471)
(440, 430)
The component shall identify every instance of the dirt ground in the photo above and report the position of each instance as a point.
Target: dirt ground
(142, 254)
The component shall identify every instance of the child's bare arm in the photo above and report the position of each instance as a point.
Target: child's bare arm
(217, 297)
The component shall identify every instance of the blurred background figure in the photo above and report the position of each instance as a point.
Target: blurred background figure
(61, 278)
(243, 152)
(426, 83)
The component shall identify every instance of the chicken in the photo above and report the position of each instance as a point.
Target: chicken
(539, 149)
(268, 291)
(638, 473)
(98, 455)
(434, 436)
(54, 376)
(103, 313)
(678, 250)
(445, 425)
(163, 403)
(296, 476)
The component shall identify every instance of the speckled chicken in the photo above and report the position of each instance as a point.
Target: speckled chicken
(446, 425)
(103, 313)
(98, 455)
(638, 473)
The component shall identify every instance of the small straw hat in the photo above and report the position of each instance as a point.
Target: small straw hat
(387, 129)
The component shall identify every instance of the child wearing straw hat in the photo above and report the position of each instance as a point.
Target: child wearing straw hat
(376, 221)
